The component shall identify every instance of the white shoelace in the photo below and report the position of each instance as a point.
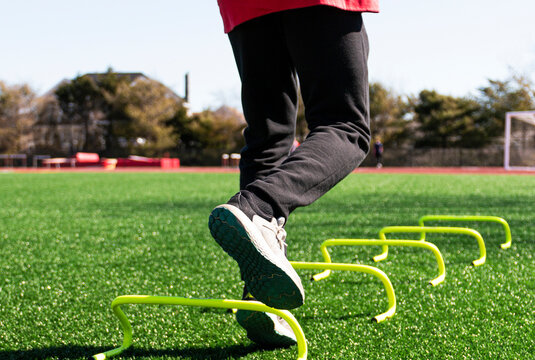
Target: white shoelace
(280, 234)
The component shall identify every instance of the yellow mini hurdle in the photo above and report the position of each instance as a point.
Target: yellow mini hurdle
(438, 229)
(380, 242)
(212, 303)
(245, 305)
(328, 266)
(473, 218)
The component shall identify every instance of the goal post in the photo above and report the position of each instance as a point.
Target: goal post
(519, 143)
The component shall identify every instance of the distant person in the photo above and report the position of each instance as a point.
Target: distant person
(378, 151)
(323, 44)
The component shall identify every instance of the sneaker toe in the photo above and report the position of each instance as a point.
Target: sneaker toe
(266, 329)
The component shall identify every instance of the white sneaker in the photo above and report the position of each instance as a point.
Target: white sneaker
(258, 247)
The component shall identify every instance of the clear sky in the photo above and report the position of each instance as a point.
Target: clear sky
(452, 46)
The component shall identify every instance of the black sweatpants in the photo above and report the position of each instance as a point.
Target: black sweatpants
(326, 50)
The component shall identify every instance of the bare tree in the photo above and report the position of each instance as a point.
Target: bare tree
(17, 116)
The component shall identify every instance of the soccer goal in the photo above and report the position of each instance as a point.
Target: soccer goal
(519, 141)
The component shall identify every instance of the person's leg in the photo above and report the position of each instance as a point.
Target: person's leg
(269, 95)
(329, 48)
(269, 98)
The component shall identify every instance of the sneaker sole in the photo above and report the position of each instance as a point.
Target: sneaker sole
(260, 328)
(271, 281)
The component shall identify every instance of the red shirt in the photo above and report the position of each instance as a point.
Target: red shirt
(235, 12)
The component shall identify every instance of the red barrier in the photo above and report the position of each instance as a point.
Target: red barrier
(170, 163)
(93, 160)
(139, 161)
(87, 159)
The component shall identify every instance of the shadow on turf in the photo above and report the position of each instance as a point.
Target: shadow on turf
(69, 352)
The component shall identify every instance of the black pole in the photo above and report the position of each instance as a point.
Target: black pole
(186, 90)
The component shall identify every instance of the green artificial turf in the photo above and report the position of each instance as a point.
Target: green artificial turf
(71, 242)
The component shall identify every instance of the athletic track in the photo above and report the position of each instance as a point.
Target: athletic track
(364, 170)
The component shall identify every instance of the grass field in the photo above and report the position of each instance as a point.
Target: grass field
(71, 242)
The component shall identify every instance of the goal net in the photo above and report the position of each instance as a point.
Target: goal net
(519, 140)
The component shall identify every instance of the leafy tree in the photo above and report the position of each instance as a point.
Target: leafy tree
(204, 136)
(120, 114)
(113, 110)
(180, 124)
(388, 113)
(444, 121)
(150, 106)
(80, 101)
(229, 124)
(498, 97)
(17, 116)
(47, 127)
